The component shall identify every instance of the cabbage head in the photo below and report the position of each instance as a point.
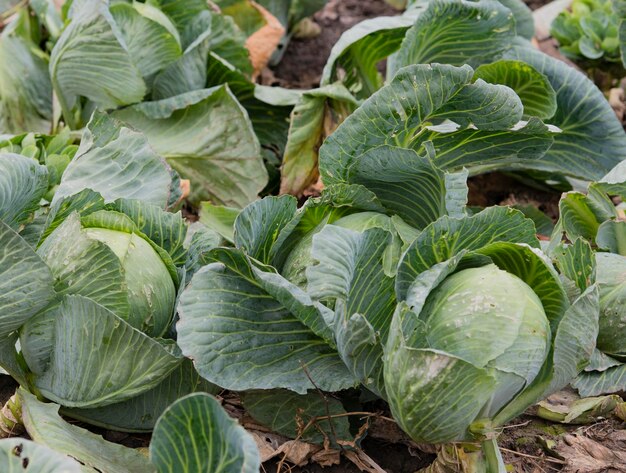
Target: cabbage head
(483, 330)
(106, 250)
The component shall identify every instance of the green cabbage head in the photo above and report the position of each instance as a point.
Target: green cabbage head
(107, 259)
(491, 319)
(150, 289)
(483, 329)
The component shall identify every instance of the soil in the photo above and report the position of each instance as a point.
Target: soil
(301, 66)
(500, 189)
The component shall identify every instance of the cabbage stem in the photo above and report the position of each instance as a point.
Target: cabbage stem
(493, 457)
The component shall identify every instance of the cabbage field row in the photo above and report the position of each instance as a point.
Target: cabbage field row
(119, 311)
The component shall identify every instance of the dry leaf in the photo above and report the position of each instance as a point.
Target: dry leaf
(584, 455)
(326, 458)
(185, 188)
(297, 452)
(616, 99)
(268, 443)
(262, 43)
(363, 462)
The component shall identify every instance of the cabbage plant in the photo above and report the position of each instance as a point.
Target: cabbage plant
(544, 125)
(92, 278)
(594, 250)
(483, 330)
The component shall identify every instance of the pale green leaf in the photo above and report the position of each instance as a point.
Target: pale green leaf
(244, 336)
(581, 216)
(25, 88)
(229, 43)
(26, 283)
(577, 263)
(269, 108)
(575, 339)
(219, 218)
(188, 72)
(152, 45)
(611, 279)
(90, 60)
(125, 167)
(524, 22)
(181, 11)
(21, 455)
(23, 183)
(595, 383)
(46, 427)
(612, 236)
(85, 266)
(207, 137)
(245, 13)
(98, 359)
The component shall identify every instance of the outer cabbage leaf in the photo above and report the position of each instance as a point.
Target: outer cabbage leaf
(90, 60)
(98, 359)
(25, 88)
(269, 108)
(403, 114)
(26, 283)
(592, 141)
(351, 276)
(207, 137)
(152, 44)
(457, 32)
(23, 183)
(359, 50)
(140, 413)
(196, 434)
(188, 72)
(21, 455)
(45, 426)
(532, 87)
(125, 166)
(285, 412)
(250, 329)
(410, 185)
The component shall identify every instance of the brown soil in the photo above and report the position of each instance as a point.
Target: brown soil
(304, 60)
(499, 189)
